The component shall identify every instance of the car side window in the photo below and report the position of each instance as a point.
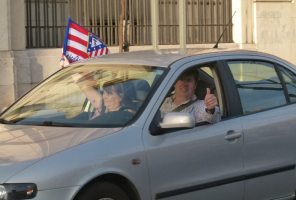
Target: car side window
(258, 85)
(290, 81)
(203, 76)
(203, 80)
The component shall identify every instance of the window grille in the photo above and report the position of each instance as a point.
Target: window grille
(46, 21)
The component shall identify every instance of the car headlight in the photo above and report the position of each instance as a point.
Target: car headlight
(15, 191)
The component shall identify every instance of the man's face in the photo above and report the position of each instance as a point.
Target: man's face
(185, 86)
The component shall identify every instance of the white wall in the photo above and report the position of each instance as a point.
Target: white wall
(275, 29)
(269, 25)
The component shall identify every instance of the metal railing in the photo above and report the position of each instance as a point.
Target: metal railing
(206, 20)
(46, 21)
(99, 16)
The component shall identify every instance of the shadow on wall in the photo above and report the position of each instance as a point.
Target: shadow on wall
(20, 71)
(41, 68)
(34, 74)
(6, 95)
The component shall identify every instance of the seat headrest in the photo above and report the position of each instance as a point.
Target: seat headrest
(142, 89)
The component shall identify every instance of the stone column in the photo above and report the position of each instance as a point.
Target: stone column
(155, 22)
(14, 70)
(5, 25)
(17, 25)
(243, 22)
(182, 23)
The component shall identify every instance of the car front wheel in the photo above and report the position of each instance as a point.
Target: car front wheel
(102, 191)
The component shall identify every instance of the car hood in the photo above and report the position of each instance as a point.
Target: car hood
(21, 146)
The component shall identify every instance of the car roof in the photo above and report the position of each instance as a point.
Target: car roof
(163, 57)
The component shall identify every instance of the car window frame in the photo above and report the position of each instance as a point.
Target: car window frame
(218, 66)
(284, 82)
(231, 103)
(239, 106)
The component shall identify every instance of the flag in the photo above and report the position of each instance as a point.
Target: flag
(79, 43)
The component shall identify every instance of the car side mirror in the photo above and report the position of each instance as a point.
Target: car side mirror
(177, 120)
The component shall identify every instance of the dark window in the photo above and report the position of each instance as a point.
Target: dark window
(258, 85)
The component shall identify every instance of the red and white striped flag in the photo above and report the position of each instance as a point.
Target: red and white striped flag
(80, 44)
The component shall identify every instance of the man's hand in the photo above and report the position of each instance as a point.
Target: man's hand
(210, 100)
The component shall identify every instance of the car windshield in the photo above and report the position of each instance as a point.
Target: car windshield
(88, 96)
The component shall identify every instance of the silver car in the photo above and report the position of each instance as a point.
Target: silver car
(55, 144)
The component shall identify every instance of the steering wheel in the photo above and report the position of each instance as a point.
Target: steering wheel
(129, 107)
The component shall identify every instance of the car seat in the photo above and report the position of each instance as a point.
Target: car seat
(142, 89)
(201, 89)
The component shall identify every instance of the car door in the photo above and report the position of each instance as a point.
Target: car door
(197, 163)
(268, 121)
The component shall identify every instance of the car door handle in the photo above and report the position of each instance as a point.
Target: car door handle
(232, 136)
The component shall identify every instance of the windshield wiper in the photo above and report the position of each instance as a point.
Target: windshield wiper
(50, 123)
(3, 121)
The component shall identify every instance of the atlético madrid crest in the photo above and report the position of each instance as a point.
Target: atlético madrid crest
(95, 47)
(80, 43)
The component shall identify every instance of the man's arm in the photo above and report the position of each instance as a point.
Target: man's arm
(213, 117)
(201, 115)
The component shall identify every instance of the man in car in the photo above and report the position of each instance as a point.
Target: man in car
(184, 100)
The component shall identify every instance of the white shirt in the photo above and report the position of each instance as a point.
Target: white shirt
(197, 109)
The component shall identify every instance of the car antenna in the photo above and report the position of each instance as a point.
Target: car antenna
(216, 46)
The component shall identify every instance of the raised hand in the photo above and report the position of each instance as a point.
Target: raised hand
(82, 82)
(64, 61)
(210, 100)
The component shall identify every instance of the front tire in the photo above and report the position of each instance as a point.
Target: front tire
(102, 191)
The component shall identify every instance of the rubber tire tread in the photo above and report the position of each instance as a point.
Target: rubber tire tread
(102, 189)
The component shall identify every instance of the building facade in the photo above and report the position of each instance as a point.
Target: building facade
(31, 31)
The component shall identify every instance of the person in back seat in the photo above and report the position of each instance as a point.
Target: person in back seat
(184, 100)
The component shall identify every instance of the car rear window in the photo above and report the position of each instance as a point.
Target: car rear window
(258, 85)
